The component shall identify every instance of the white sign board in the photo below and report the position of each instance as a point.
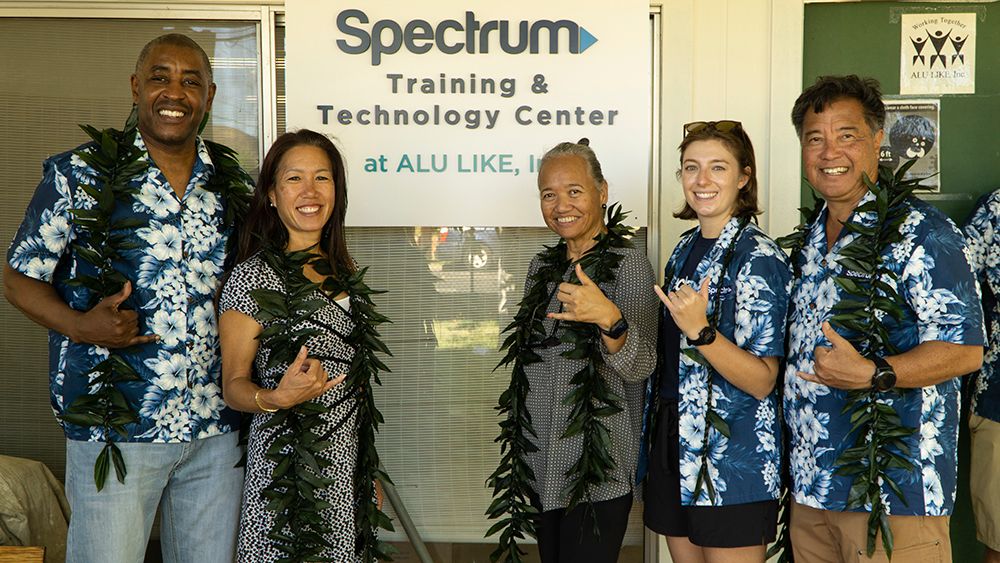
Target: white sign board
(442, 111)
(937, 54)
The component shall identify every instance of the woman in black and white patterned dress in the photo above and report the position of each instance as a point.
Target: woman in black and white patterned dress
(300, 201)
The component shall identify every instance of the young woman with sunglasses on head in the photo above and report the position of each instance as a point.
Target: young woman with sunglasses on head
(714, 440)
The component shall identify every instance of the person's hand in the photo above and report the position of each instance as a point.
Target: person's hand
(305, 379)
(687, 307)
(105, 325)
(585, 303)
(840, 366)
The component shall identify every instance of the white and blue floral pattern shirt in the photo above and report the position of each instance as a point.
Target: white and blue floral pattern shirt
(982, 234)
(176, 258)
(941, 303)
(745, 467)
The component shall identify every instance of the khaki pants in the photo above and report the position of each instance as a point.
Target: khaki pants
(829, 536)
(984, 479)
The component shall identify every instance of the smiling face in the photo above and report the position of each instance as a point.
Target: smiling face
(304, 194)
(173, 91)
(571, 201)
(712, 180)
(838, 149)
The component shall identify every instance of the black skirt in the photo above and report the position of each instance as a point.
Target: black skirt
(738, 525)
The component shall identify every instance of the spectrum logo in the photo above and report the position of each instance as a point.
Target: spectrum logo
(452, 36)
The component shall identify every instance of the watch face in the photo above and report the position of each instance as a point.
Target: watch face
(705, 336)
(884, 379)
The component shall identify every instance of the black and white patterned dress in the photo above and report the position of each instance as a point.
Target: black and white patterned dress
(341, 422)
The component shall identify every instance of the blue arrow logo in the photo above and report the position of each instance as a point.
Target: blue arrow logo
(586, 39)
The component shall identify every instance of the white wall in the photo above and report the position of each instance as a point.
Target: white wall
(741, 60)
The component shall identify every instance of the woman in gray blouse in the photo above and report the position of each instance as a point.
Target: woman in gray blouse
(608, 300)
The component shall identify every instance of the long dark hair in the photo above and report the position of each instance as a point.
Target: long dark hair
(262, 226)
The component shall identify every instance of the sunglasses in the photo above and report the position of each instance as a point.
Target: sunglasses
(724, 126)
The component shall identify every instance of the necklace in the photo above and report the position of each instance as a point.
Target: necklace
(299, 529)
(590, 400)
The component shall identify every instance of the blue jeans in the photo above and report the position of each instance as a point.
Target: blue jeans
(194, 483)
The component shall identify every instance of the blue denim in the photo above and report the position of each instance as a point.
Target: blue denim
(195, 484)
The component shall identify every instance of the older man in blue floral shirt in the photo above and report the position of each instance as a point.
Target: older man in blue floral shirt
(181, 453)
(937, 337)
(982, 232)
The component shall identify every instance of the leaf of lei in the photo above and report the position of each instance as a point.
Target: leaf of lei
(300, 454)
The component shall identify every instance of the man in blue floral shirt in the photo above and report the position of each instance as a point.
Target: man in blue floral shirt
(938, 337)
(982, 233)
(181, 452)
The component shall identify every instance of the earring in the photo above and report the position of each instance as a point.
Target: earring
(604, 206)
(272, 203)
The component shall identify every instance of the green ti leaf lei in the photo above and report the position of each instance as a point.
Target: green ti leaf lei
(713, 420)
(591, 399)
(101, 241)
(879, 445)
(299, 530)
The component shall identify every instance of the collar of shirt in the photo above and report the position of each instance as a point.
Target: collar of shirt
(203, 166)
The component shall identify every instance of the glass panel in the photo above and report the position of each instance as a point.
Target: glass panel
(61, 72)
(450, 292)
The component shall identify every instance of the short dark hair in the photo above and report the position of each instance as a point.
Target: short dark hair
(829, 89)
(738, 143)
(262, 224)
(177, 40)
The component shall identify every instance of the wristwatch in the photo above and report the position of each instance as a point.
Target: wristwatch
(617, 330)
(884, 377)
(706, 336)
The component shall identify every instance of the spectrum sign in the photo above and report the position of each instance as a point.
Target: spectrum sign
(452, 36)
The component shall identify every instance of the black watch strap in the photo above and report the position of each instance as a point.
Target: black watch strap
(617, 330)
(706, 336)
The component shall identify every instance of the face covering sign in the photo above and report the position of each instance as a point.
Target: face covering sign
(443, 111)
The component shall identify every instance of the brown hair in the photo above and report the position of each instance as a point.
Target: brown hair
(738, 143)
(263, 226)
